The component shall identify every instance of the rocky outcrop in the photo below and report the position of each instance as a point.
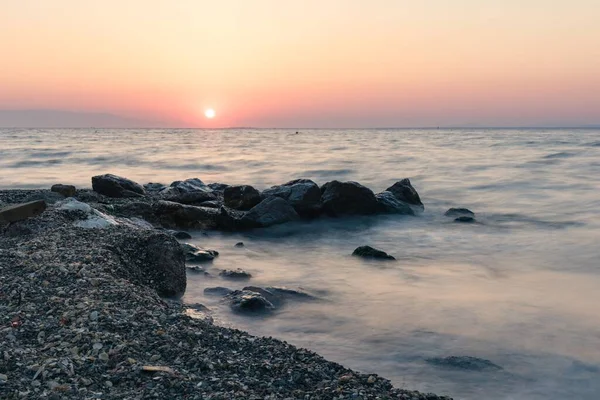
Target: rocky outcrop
(65, 190)
(270, 211)
(404, 191)
(389, 204)
(464, 362)
(372, 253)
(348, 198)
(116, 186)
(302, 194)
(242, 197)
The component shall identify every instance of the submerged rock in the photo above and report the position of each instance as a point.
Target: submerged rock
(288, 293)
(348, 198)
(404, 191)
(64, 190)
(239, 244)
(245, 301)
(270, 211)
(458, 212)
(115, 186)
(302, 194)
(217, 291)
(464, 362)
(238, 274)
(242, 197)
(197, 254)
(391, 205)
(465, 220)
(370, 252)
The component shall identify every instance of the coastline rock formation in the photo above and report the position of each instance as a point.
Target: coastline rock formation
(348, 198)
(116, 186)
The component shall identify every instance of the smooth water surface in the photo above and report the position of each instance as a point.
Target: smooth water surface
(520, 288)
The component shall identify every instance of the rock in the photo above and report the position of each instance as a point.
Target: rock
(198, 197)
(92, 218)
(154, 187)
(157, 368)
(94, 317)
(465, 220)
(20, 212)
(270, 211)
(74, 205)
(197, 254)
(154, 259)
(179, 234)
(65, 190)
(288, 293)
(176, 215)
(238, 274)
(244, 301)
(464, 362)
(348, 198)
(188, 186)
(239, 244)
(459, 212)
(196, 268)
(116, 186)
(217, 291)
(210, 204)
(370, 252)
(242, 197)
(303, 194)
(3, 378)
(218, 187)
(391, 205)
(404, 191)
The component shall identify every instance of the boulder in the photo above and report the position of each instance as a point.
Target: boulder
(187, 186)
(154, 187)
(245, 301)
(391, 205)
(465, 219)
(218, 187)
(153, 258)
(459, 212)
(176, 215)
(116, 186)
(270, 211)
(348, 198)
(64, 190)
(217, 291)
(242, 197)
(238, 274)
(20, 212)
(464, 362)
(303, 194)
(404, 191)
(370, 252)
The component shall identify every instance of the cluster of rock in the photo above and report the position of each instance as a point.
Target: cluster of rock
(194, 204)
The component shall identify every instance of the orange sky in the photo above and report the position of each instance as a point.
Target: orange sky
(309, 63)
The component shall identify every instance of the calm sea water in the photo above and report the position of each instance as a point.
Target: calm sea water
(521, 289)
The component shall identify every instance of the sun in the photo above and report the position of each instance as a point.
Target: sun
(209, 113)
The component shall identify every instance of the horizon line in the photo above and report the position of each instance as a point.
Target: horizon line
(593, 126)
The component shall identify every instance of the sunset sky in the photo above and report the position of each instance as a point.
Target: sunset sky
(306, 63)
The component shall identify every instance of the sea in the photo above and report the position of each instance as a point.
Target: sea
(521, 287)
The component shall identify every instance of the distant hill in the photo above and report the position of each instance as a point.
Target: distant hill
(71, 119)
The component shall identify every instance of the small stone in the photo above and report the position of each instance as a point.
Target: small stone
(108, 384)
(371, 379)
(3, 378)
(156, 368)
(94, 316)
(36, 383)
(103, 356)
(131, 361)
(97, 346)
(155, 357)
(235, 274)
(465, 220)
(370, 252)
(239, 244)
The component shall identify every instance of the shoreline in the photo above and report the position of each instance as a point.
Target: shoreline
(80, 318)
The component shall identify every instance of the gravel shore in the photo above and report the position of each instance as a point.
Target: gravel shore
(80, 319)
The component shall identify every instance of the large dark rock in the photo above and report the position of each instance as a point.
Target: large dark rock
(65, 190)
(189, 185)
(370, 252)
(116, 186)
(176, 215)
(153, 258)
(391, 205)
(19, 212)
(242, 197)
(348, 198)
(303, 194)
(404, 191)
(459, 212)
(270, 211)
(190, 191)
(245, 301)
(154, 187)
(218, 187)
(464, 362)
(217, 291)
